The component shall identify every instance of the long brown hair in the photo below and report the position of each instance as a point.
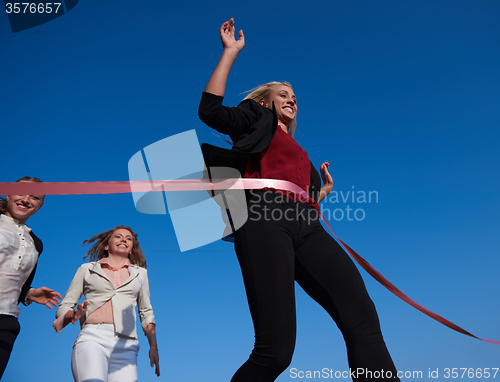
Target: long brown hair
(97, 251)
(3, 201)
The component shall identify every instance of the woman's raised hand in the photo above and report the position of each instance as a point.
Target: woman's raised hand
(217, 82)
(228, 39)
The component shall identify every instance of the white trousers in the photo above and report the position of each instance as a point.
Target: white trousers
(101, 356)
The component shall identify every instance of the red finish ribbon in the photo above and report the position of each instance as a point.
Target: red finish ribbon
(394, 290)
(121, 187)
(80, 188)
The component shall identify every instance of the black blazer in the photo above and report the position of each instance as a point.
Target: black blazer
(250, 125)
(27, 285)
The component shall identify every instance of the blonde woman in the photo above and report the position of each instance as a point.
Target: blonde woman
(113, 283)
(19, 252)
(283, 241)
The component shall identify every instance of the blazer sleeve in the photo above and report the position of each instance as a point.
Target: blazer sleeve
(232, 121)
(74, 292)
(315, 185)
(144, 302)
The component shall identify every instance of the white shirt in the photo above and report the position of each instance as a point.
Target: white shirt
(18, 257)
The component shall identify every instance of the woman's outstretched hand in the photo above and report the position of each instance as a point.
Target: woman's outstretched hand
(228, 39)
(327, 181)
(44, 296)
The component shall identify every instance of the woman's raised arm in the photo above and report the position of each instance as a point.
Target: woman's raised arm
(65, 313)
(217, 83)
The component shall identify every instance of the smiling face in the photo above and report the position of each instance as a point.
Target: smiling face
(21, 207)
(120, 243)
(285, 102)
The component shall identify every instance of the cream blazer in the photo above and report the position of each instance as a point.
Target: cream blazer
(91, 281)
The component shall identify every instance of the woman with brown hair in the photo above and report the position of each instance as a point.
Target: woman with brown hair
(282, 240)
(114, 283)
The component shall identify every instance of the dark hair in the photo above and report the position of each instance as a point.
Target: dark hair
(97, 251)
(3, 201)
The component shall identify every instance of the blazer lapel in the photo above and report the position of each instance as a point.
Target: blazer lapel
(97, 269)
(134, 272)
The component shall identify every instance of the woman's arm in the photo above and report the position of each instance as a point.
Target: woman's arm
(154, 358)
(217, 83)
(71, 316)
(327, 181)
(146, 314)
(148, 320)
(228, 120)
(65, 313)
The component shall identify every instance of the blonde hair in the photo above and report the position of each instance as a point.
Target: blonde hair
(262, 92)
(3, 201)
(97, 251)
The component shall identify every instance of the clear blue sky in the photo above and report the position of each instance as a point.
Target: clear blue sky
(402, 97)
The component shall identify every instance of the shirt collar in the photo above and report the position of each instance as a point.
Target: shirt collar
(105, 260)
(15, 222)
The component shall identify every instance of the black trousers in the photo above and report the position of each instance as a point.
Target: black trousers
(9, 329)
(283, 242)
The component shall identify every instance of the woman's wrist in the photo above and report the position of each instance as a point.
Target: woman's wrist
(28, 300)
(231, 52)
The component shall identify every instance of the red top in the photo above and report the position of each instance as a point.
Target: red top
(284, 159)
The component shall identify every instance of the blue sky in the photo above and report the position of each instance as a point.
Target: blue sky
(400, 96)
